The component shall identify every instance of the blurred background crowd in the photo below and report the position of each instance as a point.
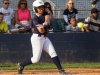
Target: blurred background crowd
(65, 16)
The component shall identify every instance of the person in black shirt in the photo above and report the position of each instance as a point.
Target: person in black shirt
(69, 13)
(48, 9)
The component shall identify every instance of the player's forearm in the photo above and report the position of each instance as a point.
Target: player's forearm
(40, 29)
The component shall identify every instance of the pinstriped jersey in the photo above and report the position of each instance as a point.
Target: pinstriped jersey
(92, 24)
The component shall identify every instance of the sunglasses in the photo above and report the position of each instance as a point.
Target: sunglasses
(6, 3)
(70, 3)
(23, 3)
(47, 7)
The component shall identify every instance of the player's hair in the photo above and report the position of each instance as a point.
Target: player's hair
(19, 4)
(4, 0)
(67, 3)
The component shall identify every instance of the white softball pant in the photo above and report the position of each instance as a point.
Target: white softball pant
(39, 44)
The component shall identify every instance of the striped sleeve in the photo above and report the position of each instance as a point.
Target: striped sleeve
(86, 22)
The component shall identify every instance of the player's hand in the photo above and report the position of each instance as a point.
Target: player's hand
(41, 26)
(45, 24)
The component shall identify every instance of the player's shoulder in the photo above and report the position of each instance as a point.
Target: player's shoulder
(36, 18)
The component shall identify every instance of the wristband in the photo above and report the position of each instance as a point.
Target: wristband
(41, 26)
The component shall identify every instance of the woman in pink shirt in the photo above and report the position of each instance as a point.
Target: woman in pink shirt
(22, 16)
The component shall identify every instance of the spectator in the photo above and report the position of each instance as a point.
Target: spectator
(8, 15)
(72, 27)
(50, 12)
(49, 9)
(23, 17)
(96, 4)
(69, 12)
(92, 23)
(3, 25)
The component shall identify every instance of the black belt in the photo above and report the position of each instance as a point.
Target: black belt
(39, 35)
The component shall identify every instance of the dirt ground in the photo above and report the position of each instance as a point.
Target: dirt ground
(75, 71)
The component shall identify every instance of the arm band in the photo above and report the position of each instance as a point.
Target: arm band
(40, 25)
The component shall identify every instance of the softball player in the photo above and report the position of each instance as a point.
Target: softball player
(39, 40)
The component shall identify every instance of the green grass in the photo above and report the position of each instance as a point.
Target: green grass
(44, 66)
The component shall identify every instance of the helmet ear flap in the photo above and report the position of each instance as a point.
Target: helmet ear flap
(35, 10)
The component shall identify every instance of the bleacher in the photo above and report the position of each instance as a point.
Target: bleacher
(13, 3)
(84, 7)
